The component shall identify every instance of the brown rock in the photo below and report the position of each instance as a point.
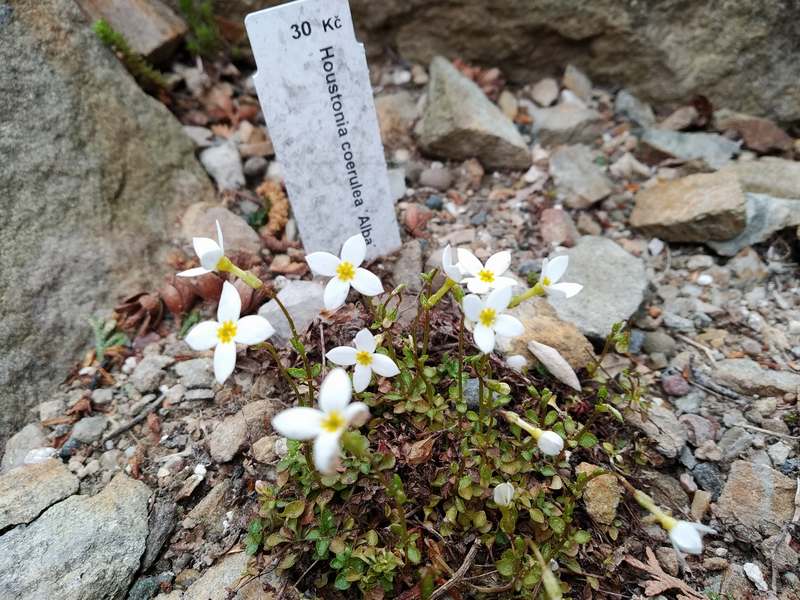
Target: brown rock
(543, 325)
(756, 501)
(557, 227)
(602, 494)
(149, 26)
(198, 221)
(759, 134)
(396, 115)
(697, 208)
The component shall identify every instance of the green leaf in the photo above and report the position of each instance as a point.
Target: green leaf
(582, 536)
(288, 561)
(557, 524)
(505, 566)
(465, 487)
(341, 582)
(414, 555)
(294, 509)
(588, 440)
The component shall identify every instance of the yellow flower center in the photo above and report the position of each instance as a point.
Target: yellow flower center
(345, 271)
(486, 276)
(546, 281)
(226, 332)
(333, 421)
(364, 358)
(487, 317)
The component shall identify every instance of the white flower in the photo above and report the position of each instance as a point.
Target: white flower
(504, 494)
(209, 252)
(688, 537)
(326, 424)
(452, 269)
(552, 271)
(485, 277)
(226, 331)
(550, 443)
(366, 360)
(489, 320)
(345, 271)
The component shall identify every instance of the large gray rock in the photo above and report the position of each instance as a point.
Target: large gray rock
(614, 286)
(93, 174)
(26, 491)
(303, 300)
(747, 49)
(765, 216)
(712, 148)
(460, 122)
(83, 548)
(566, 124)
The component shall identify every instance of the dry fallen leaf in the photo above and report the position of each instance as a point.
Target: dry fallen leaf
(420, 452)
(661, 581)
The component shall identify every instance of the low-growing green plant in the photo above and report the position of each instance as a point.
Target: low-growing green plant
(106, 336)
(464, 476)
(146, 74)
(203, 38)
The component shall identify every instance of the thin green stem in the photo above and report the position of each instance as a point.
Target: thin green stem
(461, 360)
(536, 290)
(434, 299)
(283, 371)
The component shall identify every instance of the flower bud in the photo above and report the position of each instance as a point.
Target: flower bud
(517, 362)
(504, 494)
(550, 443)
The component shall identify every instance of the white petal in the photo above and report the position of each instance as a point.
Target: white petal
(230, 304)
(568, 289)
(517, 362)
(555, 268)
(354, 250)
(686, 537)
(326, 452)
(365, 341)
(323, 263)
(253, 329)
(469, 262)
(499, 299)
(361, 378)
(335, 293)
(342, 355)
(477, 286)
(508, 326)
(498, 263)
(224, 361)
(550, 443)
(356, 413)
(501, 282)
(203, 336)
(384, 366)
(219, 237)
(367, 283)
(335, 391)
(208, 251)
(503, 494)
(450, 267)
(555, 363)
(472, 307)
(298, 423)
(484, 338)
(196, 272)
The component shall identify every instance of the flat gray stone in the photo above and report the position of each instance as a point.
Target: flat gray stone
(614, 286)
(89, 429)
(28, 490)
(566, 124)
(714, 149)
(662, 426)
(26, 439)
(769, 175)
(149, 372)
(578, 177)
(765, 215)
(303, 300)
(195, 373)
(748, 377)
(629, 106)
(200, 219)
(460, 122)
(83, 548)
(230, 436)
